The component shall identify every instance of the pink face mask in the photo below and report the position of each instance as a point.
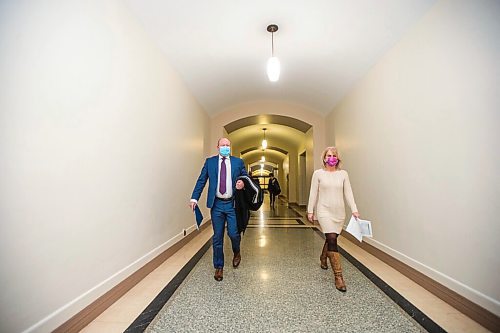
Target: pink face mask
(332, 161)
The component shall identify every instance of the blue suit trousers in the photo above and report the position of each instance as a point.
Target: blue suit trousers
(221, 212)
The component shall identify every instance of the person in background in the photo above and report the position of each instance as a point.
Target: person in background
(273, 188)
(222, 172)
(329, 185)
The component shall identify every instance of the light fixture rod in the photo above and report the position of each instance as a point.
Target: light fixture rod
(272, 44)
(272, 28)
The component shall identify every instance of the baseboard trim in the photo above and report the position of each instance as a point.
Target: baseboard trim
(141, 323)
(477, 313)
(295, 204)
(76, 323)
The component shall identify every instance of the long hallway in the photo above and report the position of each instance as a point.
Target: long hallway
(109, 111)
(279, 287)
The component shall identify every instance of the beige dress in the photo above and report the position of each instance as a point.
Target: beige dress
(328, 189)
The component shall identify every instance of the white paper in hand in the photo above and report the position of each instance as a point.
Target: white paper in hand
(359, 228)
(366, 228)
(354, 229)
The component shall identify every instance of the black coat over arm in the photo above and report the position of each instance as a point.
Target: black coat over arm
(247, 199)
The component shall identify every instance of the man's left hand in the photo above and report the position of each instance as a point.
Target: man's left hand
(240, 184)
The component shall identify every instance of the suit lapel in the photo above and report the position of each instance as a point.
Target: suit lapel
(215, 166)
(233, 169)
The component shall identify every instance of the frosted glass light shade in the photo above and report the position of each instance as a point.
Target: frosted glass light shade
(273, 69)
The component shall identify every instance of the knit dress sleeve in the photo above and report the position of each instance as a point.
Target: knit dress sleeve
(313, 194)
(348, 193)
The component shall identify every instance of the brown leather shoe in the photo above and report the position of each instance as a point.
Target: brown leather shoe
(218, 274)
(236, 259)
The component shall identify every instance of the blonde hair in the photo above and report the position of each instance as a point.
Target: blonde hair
(335, 152)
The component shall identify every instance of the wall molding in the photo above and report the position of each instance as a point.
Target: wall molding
(98, 306)
(469, 308)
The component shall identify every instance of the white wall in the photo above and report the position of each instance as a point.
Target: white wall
(94, 126)
(311, 158)
(285, 176)
(419, 136)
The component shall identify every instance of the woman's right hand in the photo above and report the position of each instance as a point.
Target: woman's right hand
(310, 217)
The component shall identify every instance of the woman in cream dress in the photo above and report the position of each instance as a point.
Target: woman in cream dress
(328, 188)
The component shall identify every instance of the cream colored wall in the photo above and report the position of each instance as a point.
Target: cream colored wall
(91, 118)
(310, 161)
(293, 172)
(301, 173)
(419, 136)
(282, 178)
(301, 183)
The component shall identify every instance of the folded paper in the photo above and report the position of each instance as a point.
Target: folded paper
(199, 216)
(359, 228)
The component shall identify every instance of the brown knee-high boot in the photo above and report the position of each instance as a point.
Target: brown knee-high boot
(322, 257)
(337, 270)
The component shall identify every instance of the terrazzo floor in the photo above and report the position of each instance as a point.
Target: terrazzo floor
(279, 287)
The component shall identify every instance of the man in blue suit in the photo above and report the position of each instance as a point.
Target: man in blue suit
(222, 172)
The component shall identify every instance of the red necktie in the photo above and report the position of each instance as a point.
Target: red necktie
(222, 179)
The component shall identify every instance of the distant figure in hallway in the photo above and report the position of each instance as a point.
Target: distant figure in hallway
(329, 185)
(274, 188)
(222, 172)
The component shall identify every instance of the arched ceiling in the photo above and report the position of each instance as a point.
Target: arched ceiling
(272, 148)
(281, 139)
(268, 119)
(272, 156)
(276, 135)
(220, 47)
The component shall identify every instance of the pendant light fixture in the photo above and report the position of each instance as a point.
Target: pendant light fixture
(264, 141)
(273, 64)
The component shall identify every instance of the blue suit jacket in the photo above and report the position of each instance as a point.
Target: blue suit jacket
(210, 171)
